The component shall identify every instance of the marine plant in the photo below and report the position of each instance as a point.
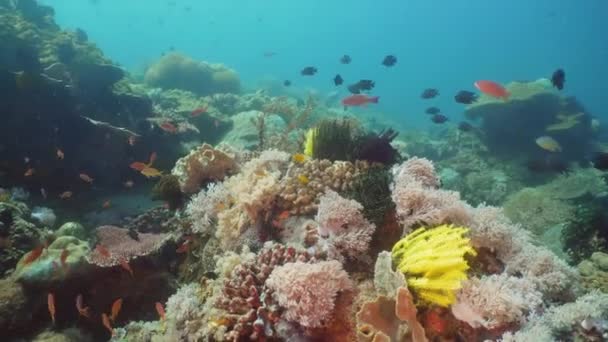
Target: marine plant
(433, 262)
(168, 190)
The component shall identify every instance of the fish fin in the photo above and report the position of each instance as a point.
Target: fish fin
(374, 99)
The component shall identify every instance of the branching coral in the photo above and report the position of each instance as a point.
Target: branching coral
(201, 165)
(204, 208)
(308, 291)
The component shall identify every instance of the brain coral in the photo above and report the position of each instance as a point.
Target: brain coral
(177, 71)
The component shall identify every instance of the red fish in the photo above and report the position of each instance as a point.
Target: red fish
(29, 172)
(116, 309)
(64, 257)
(33, 255)
(106, 323)
(106, 204)
(138, 166)
(82, 310)
(125, 264)
(160, 310)
(198, 111)
(103, 251)
(493, 89)
(51, 305)
(359, 100)
(168, 127)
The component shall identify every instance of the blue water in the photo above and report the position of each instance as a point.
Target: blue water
(439, 43)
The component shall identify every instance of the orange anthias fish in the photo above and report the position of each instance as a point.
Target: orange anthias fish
(60, 154)
(168, 127)
(198, 111)
(66, 195)
(160, 310)
(151, 172)
(106, 323)
(102, 251)
(64, 257)
(129, 183)
(86, 178)
(106, 204)
(33, 255)
(132, 140)
(29, 172)
(82, 310)
(184, 247)
(125, 264)
(493, 89)
(138, 166)
(51, 305)
(359, 100)
(116, 309)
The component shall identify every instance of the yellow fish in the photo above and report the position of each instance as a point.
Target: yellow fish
(299, 158)
(547, 143)
(565, 122)
(151, 172)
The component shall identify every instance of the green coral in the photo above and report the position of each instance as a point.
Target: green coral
(594, 272)
(167, 189)
(586, 231)
(74, 229)
(372, 190)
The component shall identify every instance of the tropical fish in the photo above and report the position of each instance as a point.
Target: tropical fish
(465, 97)
(359, 100)
(51, 305)
(558, 78)
(86, 178)
(82, 310)
(198, 111)
(303, 179)
(43, 193)
(548, 143)
(103, 251)
(429, 93)
(129, 183)
(345, 59)
(151, 172)
(168, 127)
(160, 310)
(432, 110)
(308, 71)
(493, 89)
(125, 264)
(465, 126)
(106, 323)
(299, 158)
(64, 257)
(65, 195)
(439, 118)
(106, 204)
(29, 172)
(287, 83)
(138, 166)
(184, 247)
(132, 140)
(152, 158)
(362, 85)
(60, 154)
(116, 309)
(33, 255)
(338, 80)
(389, 61)
(564, 122)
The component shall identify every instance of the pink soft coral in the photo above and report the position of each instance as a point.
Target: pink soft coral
(308, 291)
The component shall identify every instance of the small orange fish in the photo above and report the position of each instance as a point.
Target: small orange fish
(153, 157)
(102, 251)
(64, 257)
(60, 154)
(132, 140)
(107, 204)
(160, 310)
(125, 264)
(29, 172)
(106, 323)
(66, 195)
(151, 172)
(184, 247)
(51, 305)
(138, 166)
(199, 111)
(82, 310)
(116, 309)
(128, 184)
(86, 178)
(168, 127)
(284, 215)
(33, 255)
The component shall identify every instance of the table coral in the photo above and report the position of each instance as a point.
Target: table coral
(202, 165)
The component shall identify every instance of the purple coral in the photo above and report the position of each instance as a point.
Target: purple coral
(246, 296)
(308, 291)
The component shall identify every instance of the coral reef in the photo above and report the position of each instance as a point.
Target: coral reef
(594, 272)
(245, 134)
(17, 234)
(168, 189)
(201, 165)
(585, 231)
(178, 71)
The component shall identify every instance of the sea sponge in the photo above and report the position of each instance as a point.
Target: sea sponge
(433, 262)
(178, 71)
(201, 165)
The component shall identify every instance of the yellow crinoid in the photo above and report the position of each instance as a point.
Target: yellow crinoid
(309, 143)
(433, 262)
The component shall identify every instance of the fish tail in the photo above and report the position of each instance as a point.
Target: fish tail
(374, 99)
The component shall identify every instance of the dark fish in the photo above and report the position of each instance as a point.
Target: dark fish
(345, 59)
(465, 97)
(429, 93)
(558, 79)
(600, 161)
(439, 118)
(287, 83)
(465, 126)
(308, 71)
(338, 80)
(547, 165)
(389, 61)
(362, 85)
(432, 110)
(133, 234)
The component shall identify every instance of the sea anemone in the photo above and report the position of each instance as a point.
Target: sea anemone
(44, 216)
